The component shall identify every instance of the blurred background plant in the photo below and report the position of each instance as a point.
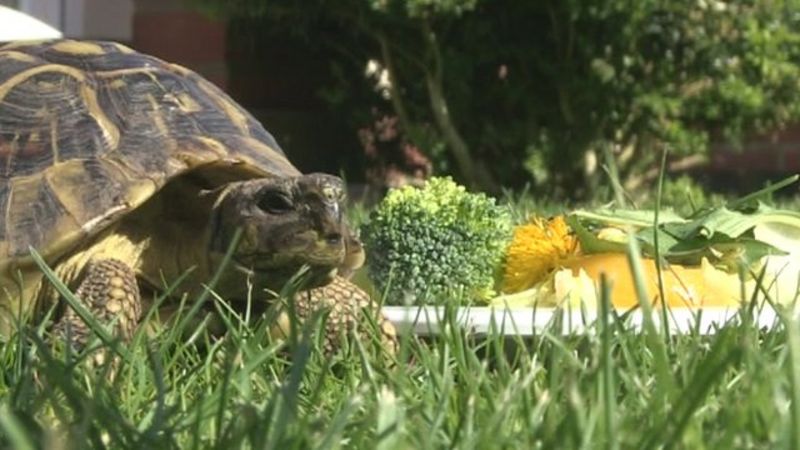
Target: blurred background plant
(392, 160)
(512, 93)
(684, 195)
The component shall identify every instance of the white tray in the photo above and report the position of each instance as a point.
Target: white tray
(428, 320)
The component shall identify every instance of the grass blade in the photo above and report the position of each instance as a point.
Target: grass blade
(793, 345)
(608, 398)
(15, 433)
(658, 261)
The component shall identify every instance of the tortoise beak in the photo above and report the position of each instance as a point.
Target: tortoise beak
(334, 210)
(325, 194)
(329, 231)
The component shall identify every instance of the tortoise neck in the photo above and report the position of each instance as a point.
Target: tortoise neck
(177, 252)
(175, 228)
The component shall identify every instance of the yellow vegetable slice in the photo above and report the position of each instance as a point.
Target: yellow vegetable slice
(577, 282)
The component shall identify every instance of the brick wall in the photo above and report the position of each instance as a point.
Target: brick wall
(777, 152)
(169, 30)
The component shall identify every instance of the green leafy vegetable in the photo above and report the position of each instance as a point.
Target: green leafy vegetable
(725, 235)
(436, 243)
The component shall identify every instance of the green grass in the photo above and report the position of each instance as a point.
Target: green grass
(609, 388)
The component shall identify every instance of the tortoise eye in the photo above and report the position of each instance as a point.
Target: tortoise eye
(275, 202)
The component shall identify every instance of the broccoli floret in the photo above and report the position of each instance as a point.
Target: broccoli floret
(434, 244)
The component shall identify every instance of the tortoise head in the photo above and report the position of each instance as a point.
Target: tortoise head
(285, 223)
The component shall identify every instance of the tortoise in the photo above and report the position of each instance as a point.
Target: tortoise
(122, 171)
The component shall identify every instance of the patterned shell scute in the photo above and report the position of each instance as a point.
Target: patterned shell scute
(90, 130)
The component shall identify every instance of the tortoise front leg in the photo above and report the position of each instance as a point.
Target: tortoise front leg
(347, 304)
(110, 292)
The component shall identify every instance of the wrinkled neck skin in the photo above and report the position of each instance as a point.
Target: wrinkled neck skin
(159, 259)
(189, 248)
(174, 253)
(162, 241)
(193, 249)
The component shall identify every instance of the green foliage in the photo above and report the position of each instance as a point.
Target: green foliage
(424, 8)
(506, 85)
(439, 242)
(736, 234)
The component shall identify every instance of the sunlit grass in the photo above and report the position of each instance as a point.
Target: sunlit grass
(610, 388)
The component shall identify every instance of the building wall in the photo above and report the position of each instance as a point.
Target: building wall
(92, 19)
(771, 153)
(171, 31)
(106, 19)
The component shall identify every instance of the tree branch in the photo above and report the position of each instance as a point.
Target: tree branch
(455, 142)
(394, 84)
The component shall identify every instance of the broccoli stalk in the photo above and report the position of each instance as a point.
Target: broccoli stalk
(436, 244)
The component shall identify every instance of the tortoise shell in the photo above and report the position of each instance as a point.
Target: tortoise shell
(91, 130)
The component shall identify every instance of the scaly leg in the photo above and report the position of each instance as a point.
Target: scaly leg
(110, 292)
(346, 303)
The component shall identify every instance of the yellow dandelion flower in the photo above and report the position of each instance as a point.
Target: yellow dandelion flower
(535, 250)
